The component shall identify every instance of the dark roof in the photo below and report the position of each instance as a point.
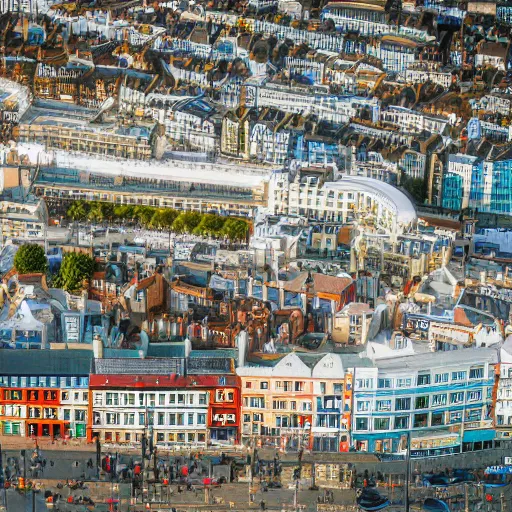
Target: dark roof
(125, 366)
(46, 362)
(174, 349)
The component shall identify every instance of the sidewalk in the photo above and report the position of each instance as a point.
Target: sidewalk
(21, 443)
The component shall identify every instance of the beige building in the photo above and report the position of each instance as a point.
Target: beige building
(296, 401)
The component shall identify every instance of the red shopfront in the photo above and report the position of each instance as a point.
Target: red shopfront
(224, 411)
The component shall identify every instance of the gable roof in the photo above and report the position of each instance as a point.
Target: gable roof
(321, 284)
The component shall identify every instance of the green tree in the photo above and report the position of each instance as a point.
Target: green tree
(167, 217)
(30, 259)
(75, 268)
(235, 229)
(144, 214)
(124, 212)
(186, 222)
(416, 187)
(210, 225)
(77, 211)
(96, 212)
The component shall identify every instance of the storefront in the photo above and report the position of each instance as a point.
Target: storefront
(475, 440)
(47, 428)
(435, 445)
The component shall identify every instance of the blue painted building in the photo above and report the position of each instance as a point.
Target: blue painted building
(443, 399)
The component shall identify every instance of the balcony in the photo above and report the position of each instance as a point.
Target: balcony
(472, 425)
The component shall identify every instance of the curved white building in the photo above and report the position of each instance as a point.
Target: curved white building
(350, 199)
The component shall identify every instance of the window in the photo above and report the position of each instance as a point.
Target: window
(323, 386)
(384, 383)
(279, 404)
(172, 399)
(181, 399)
(161, 418)
(403, 382)
(172, 418)
(180, 419)
(307, 406)
(257, 402)
(363, 406)
(456, 417)
(191, 399)
(420, 420)
(248, 385)
(424, 379)
(113, 418)
(437, 419)
(79, 415)
(293, 405)
(263, 385)
(142, 418)
(439, 400)
(112, 399)
(161, 400)
(474, 396)
(474, 414)
(202, 399)
(364, 383)
(441, 378)
(381, 423)
(476, 373)
(383, 405)
(247, 418)
(338, 388)
(129, 418)
(457, 398)
(458, 376)
(361, 423)
(98, 399)
(201, 418)
(401, 421)
(67, 414)
(257, 417)
(299, 386)
(190, 418)
(421, 402)
(402, 404)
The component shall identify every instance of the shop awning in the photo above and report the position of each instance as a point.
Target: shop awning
(473, 436)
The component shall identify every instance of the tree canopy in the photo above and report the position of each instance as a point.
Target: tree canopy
(30, 259)
(206, 224)
(76, 267)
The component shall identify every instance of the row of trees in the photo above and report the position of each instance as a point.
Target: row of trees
(76, 267)
(161, 218)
